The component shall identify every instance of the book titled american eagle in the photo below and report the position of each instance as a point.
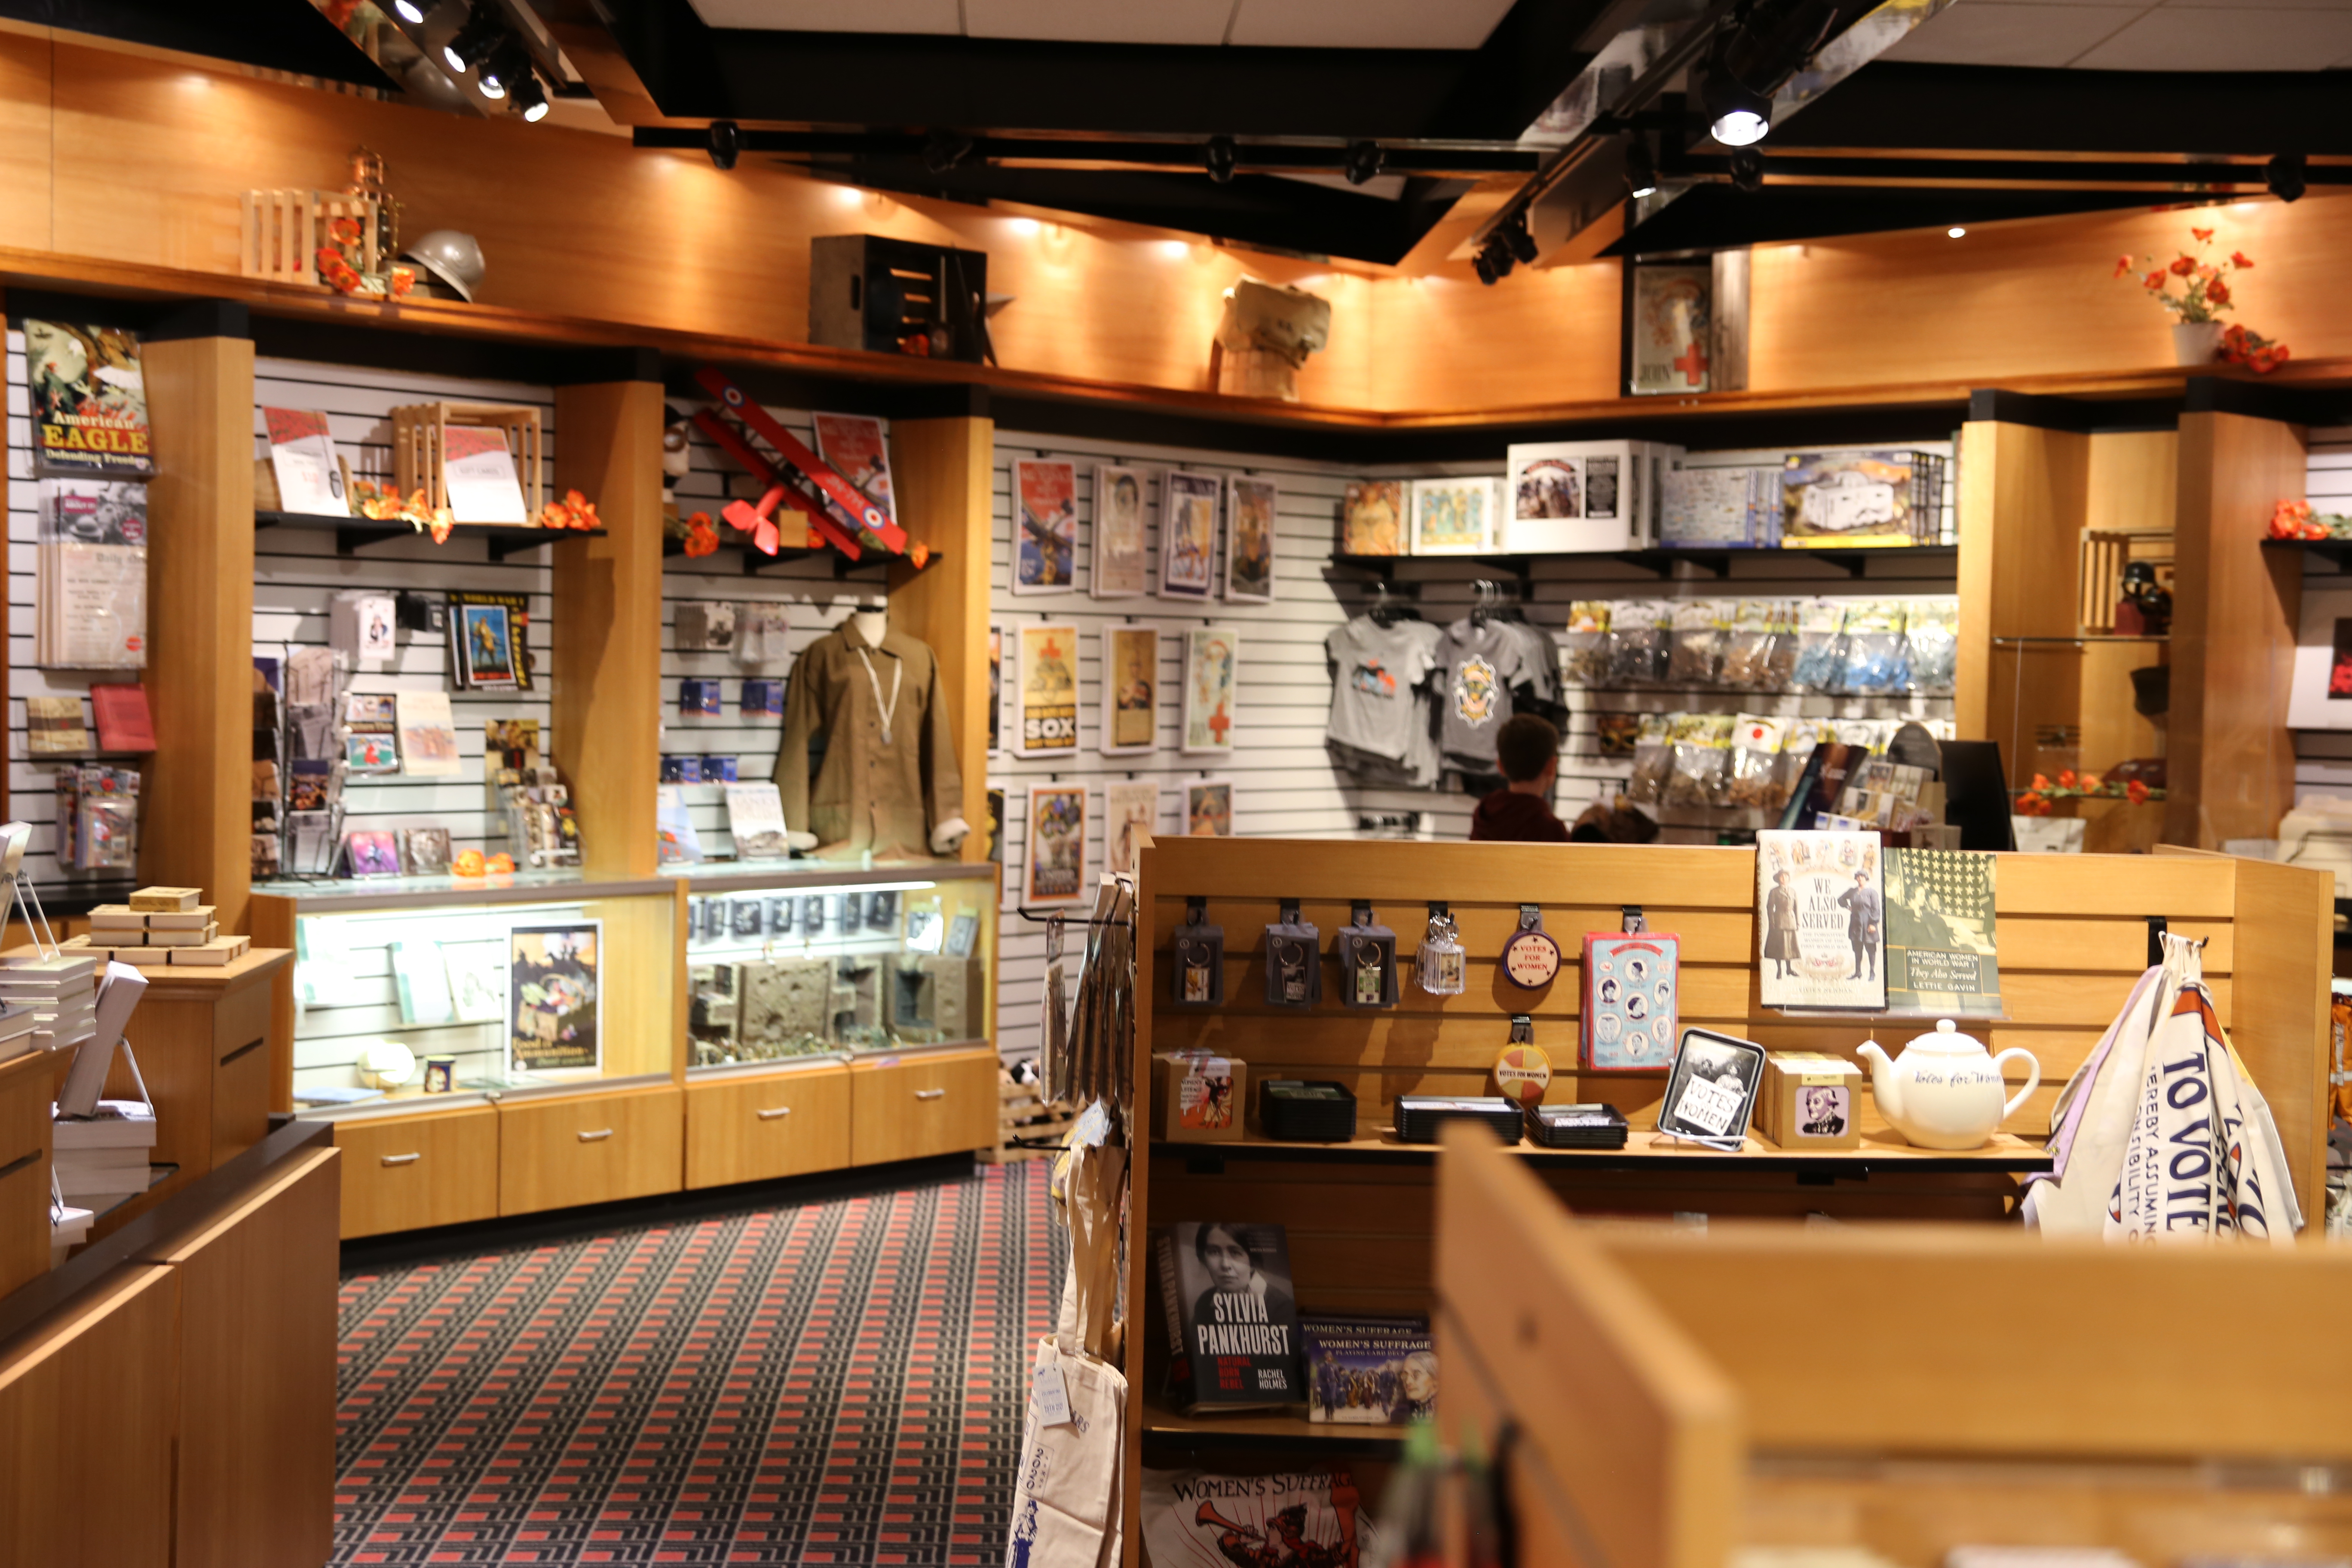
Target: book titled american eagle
(1233, 1323)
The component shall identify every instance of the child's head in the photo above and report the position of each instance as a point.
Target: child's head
(1526, 746)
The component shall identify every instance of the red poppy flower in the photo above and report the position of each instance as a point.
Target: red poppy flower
(2155, 281)
(2184, 266)
(2239, 259)
(2217, 292)
(2136, 792)
(2203, 235)
(2123, 265)
(2065, 778)
(2039, 783)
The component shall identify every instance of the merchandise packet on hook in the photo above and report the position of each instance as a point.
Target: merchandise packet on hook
(1294, 961)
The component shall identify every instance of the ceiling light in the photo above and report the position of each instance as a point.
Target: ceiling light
(410, 12)
(475, 41)
(529, 97)
(944, 150)
(1641, 167)
(2283, 175)
(1483, 267)
(1024, 226)
(1364, 161)
(1175, 249)
(1221, 158)
(508, 64)
(1747, 170)
(1500, 258)
(1738, 115)
(1518, 241)
(1957, 232)
(726, 143)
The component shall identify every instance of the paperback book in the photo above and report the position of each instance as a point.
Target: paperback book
(1942, 957)
(1820, 922)
(1369, 1369)
(1233, 1324)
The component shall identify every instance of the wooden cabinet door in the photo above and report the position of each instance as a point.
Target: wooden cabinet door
(755, 1129)
(904, 1108)
(25, 1087)
(240, 1072)
(592, 1148)
(409, 1172)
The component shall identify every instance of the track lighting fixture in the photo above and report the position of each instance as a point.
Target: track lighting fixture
(529, 97)
(1364, 161)
(508, 64)
(1747, 170)
(1518, 241)
(410, 12)
(1500, 258)
(1483, 267)
(2283, 175)
(1221, 158)
(726, 143)
(1641, 167)
(945, 150)
(473, 43)
(1737, 116)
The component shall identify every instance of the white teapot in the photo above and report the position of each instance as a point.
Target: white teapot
(1943, 1091)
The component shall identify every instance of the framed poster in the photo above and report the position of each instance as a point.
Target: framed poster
(1057, 844)
(995, 690)
(2320, 695)
(1213, 656)
(1130, 814)
(1209, 809)
(1454, 517)
(1188, 534)
(853, 446)
(1130, 716)
(1119, 534)
(555, 997)
(1048, 670)
(1249, 543)
(1044, 527)
(1371, 518)
(1669, 316)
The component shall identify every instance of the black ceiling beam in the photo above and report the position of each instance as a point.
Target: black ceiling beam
(914, 80)
(1717, 218)
(1895, 165)
(275, 35)
(1258, 210)
(1249, 155)
(2003, 109)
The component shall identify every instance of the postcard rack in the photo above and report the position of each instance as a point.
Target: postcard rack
(1897, 1390)
(1359, 1217)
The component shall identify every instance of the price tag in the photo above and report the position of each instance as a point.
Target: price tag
(1052, 1396)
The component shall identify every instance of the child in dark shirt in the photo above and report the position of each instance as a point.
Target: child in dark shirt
(1527, 749)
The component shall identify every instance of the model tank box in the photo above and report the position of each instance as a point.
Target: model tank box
(1809, 1100)
(898, 297)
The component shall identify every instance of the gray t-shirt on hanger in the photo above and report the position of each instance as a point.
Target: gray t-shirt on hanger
(1479, 665)
(1375, 670)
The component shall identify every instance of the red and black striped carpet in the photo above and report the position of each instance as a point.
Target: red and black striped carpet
(840, 1382)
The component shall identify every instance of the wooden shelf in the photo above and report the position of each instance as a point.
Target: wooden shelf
(755, 563)
(1643, 1151)
(1942, 558)
(354, 534)
(1269, 1431)
(2337, 552)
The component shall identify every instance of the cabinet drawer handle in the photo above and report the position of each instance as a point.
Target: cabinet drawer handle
(401, 1159)
(929, 1093)
(596, 1137)
(772, 1115)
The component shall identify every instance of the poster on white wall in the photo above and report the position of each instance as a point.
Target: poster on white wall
(1044, 527)
(1213, 656)
(1120, 555)
(1249, 547)
(1188, 535)
(1130, 814)
(2321, 695)
(1130, 715)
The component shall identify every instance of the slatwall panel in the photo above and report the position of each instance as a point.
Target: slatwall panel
(32, 786)
(2322, 758)
(1284, 784)
(296, 574)
(815, 602)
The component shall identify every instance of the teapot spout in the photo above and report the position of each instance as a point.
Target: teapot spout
(1884, 1086)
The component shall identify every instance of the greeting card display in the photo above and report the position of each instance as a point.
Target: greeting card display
(1629, 1000)
(1530, 958)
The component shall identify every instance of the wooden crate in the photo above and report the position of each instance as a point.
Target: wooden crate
(417, 441)
(281, 232)
(1027, 1127)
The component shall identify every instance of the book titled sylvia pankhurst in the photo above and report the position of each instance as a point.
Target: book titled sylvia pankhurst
(1233, 1324)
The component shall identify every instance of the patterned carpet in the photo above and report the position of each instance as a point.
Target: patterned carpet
(838, 1381)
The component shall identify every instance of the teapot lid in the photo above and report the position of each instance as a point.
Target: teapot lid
(1947, 1037)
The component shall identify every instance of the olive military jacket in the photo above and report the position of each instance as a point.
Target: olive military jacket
(869, 793)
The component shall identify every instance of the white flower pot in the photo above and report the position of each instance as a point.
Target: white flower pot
(2194, 342)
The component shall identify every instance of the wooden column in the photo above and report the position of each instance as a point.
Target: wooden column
(198, 827)
(606, 663)
(2022, 495)
(944, 472)
(2279, 1009)
(2230, 770)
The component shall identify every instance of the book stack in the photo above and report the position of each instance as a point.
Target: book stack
(103, 1159)
(68, 1229)
(60, 993)
(159, 927)
(16, 1021)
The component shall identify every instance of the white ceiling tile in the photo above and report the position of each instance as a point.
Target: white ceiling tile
(1101, 21)
(830, 17)
(1987, 33)
(1367, 24)
(2242, 39)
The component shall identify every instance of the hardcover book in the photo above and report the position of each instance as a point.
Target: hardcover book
(124, 723)
(1821, 924)
(88, 400)
(1369, 1369)
(302, 460)
(54, 727)
(1233, 1325)
(478, 477)
(1942, 957)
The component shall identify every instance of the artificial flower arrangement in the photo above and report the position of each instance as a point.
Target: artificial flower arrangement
(335, 265)
(383, 503)
(2204, 291)
(2296, 520)
(2038, 800)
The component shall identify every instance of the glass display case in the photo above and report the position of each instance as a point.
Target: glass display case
(430, 990)
(788, 965)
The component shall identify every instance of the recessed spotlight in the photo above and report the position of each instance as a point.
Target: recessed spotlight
(1957, 232)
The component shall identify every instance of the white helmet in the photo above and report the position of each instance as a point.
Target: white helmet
(452, 257)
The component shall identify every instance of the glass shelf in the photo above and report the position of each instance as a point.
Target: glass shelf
(447, 891)
(2087, 638)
